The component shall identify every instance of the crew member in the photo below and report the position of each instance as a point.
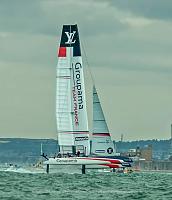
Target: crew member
(78, 153)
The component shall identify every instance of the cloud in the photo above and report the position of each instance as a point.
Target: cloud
(19, 15)
(136, 22)
(46, 17)
(154, 9)
(127, 43)
(146, 48)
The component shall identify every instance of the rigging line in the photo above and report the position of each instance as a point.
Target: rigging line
(87, 63)
(72, 74)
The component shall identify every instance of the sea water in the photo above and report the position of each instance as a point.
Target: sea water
(100, 186)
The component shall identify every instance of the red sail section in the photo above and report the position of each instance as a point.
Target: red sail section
(62, 52)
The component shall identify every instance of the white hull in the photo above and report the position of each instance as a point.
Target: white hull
(75, 161)
(74, 164)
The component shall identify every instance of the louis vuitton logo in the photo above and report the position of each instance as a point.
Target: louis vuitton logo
(70, 37)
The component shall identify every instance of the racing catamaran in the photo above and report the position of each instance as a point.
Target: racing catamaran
(71, 111)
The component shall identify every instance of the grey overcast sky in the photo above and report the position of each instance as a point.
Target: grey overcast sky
(129, 49)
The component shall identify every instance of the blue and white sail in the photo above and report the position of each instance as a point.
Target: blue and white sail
(102, 144)
(71, 113)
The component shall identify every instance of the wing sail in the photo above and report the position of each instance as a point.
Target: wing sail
(71, 112)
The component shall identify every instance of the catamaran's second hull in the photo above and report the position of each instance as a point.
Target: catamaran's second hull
(75, 161)
(74, 164)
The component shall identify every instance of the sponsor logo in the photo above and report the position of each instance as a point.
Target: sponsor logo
(75, 107)
(70, 37)
(81, 138)
(77, 91)
(110, 150)
(78, 84)
(66, 161)
(100, 151)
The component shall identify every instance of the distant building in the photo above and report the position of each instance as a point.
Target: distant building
(140, 153)
(146, 153)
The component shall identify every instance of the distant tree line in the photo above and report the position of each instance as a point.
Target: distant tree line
(28, 150)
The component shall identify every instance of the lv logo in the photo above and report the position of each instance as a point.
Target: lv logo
(70, 37)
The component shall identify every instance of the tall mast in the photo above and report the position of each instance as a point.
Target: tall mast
(71, 113)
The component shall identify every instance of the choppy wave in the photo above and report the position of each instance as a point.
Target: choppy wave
(27, 186)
